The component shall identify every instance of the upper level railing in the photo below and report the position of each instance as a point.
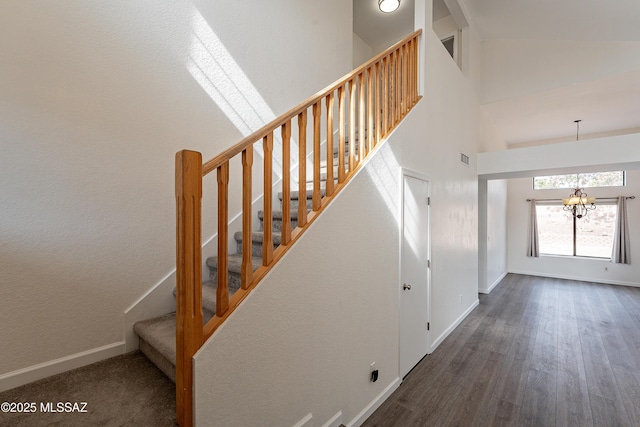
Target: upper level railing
(359, 110)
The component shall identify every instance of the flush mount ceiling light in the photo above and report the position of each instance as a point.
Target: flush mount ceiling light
(388, 5)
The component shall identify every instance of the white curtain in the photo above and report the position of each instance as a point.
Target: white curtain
(534, 248)
(621, 247)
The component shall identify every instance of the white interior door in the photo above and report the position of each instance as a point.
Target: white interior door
(414, 284)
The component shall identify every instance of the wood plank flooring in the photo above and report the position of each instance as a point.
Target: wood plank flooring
(535, 352)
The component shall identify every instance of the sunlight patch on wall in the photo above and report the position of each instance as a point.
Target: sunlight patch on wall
(220, 76)
(213, 67)
(385, 176)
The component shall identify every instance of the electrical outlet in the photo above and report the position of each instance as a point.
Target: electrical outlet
(374, 373)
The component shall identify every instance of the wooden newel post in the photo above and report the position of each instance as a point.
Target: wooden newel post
(188, 278)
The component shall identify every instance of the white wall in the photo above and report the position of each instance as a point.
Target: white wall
(362, 52)
(492, 209)
(514, 68)
(95, 99)
(496, 243)
(302, 342)
(592, 270)
(445, 26)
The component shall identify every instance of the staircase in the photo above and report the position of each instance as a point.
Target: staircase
(370, 101)
(158, 335)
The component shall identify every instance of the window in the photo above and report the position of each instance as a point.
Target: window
(579, 180)
(559, 233)
(450, 44)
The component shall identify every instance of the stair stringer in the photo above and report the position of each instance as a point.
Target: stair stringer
(293, 337)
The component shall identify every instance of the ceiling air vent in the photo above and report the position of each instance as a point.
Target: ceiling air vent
(464, 159)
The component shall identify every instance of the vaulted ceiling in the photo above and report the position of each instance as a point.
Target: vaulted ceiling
(606, 98)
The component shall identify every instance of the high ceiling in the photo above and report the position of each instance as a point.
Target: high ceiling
(606, 104)
(592, 20)
(379, 29)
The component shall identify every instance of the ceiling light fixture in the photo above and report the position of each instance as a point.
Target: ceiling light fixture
(388, 6)
(578, 203)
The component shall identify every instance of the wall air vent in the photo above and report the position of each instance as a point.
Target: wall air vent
(464, 159)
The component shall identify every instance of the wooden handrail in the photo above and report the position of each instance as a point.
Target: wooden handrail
(276, 123)
(368, 104)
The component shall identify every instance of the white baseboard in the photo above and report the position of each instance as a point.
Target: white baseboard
(454, 325)
(53, 367)
(580, 279)
(494, 284)
(375, 404)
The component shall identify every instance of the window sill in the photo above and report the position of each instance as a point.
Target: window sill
(575, 257)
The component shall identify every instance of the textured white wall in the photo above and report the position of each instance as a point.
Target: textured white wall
(95, 99)
(362, 52)
(303, 341)
(519, 67)
(496, 232)
(593, 270)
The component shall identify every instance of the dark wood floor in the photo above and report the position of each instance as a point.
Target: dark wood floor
(536, 352)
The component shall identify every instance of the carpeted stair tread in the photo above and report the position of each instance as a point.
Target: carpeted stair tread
(277, 215)
(234, 262)
(258, 237)
(295, 194)
(160, 333)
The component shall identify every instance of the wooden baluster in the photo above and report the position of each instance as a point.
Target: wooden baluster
(222, 290)
(302, 168)
(405, 80)
(267, 239)
(398, 84)
(414, 76)
(378, 107)
(370, 134)
(416, 69)
(362, 124)
(399, 99)
(412, 82)
(398, 81)
(352, 126)
(330, 176)
(392, 89)
(189, 336)
(246, 271)
(341, 132)
(316, 197)
(409, 68)
(286, 182)
(386, 93)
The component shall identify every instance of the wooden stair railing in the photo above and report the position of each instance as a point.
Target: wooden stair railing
(371, 101)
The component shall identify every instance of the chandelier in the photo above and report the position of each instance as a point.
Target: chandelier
(579, 204)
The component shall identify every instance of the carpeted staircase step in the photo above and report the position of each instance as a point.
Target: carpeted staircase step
(234, 268)
(208, 299)
(256, 242)
(158, 342)
(276, 220)
(158, 335)
(295, 198)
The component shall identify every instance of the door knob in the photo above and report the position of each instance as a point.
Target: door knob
(406, 287)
